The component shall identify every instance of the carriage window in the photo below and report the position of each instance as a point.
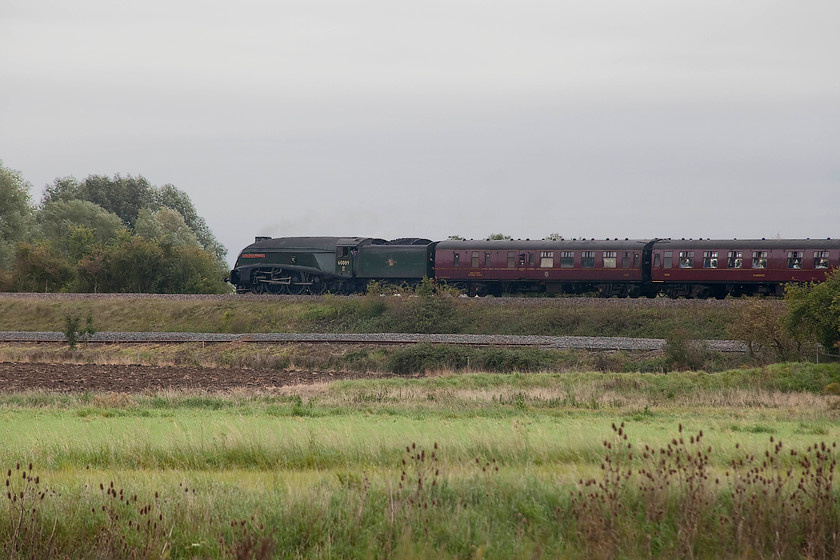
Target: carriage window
(656, 260)
(486, 259)
(735, 259)
(456, 258)
(567, 259)
(759, 259)
(475, 259)
(530, 259)
(587, 259)
(820, 259)
(609, 259)
(511, 260)
(635, 260)
(794, 259)
(710, 259)
(668, 259)
(546, 259)
(686, 259)
(625, 260)
(521, 259)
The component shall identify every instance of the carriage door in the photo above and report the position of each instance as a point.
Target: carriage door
(344, 261)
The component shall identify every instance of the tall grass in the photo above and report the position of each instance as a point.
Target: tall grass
(646, 501)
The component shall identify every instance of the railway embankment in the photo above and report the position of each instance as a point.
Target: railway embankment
(243, 314)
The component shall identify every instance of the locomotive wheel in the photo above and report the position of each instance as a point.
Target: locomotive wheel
(298, 284)
(318, 286)
(276, 288)
(258, 288)
(296, 289)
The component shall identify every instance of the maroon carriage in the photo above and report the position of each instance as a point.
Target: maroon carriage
(708, 267)
(609, 268)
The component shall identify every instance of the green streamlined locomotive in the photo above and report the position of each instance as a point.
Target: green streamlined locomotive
(298, 265)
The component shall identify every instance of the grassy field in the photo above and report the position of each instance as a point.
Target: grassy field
(576, 465)
(568, 454)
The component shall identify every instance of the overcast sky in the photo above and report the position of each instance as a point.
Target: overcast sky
(392, 119)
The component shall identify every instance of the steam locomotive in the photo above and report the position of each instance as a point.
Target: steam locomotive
(690, 268)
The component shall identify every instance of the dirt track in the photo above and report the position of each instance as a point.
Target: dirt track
(133, 379)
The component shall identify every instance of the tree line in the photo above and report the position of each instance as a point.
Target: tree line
(105, 234)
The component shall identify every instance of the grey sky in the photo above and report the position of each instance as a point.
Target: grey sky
(391, 119)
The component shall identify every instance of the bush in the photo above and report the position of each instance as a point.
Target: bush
(423, 357)
(73, 331)
(683, 352)
(429, 357)
(815, 311)
(760, 324)
(505, 360)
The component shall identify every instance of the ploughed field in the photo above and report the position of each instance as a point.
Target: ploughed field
(94, 378)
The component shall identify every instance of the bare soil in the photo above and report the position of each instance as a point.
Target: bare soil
(66, 378)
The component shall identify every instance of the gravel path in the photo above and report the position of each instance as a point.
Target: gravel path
(562, 342)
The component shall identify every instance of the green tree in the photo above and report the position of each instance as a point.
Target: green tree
(136, 266)
(123, 196)
(147, 266)
(74, 227)
(498, 237)
(192, 270)
(165, 226)
(15, 213)
(814, 310)
(121, 234)
(62, 190)
(169, 196)
(39, 268)
(92, 273)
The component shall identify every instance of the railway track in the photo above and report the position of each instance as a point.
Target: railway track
(490, 301)
(555, 342)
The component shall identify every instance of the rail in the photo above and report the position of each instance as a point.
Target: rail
(556, 342)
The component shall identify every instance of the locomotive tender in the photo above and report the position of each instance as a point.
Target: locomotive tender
(691, 268)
